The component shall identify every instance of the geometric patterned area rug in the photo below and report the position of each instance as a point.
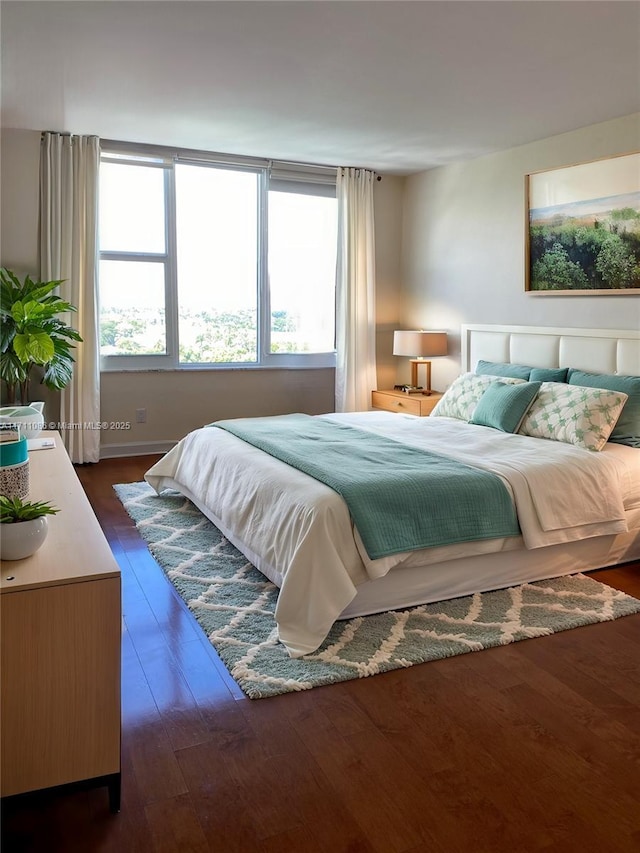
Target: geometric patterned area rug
(234, 605)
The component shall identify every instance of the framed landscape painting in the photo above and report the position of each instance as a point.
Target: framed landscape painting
(583, 228)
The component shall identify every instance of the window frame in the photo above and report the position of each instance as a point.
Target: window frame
(300, 178)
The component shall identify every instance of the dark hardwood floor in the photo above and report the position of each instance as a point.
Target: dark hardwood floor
(533, 746)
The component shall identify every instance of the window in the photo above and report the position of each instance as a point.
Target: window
(215, 262)
(302, 261)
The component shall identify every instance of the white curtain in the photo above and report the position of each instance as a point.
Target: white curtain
(68, 245)
(355, 291)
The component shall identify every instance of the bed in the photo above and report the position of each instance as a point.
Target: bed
(578, 510)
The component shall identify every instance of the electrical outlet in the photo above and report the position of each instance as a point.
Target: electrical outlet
(141, 416)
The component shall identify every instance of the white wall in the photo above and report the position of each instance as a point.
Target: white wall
(178, 401)
(463, 253)
(19, 192)
(388, 199)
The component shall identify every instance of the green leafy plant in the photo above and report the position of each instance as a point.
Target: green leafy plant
(32, 334)
(14, 510)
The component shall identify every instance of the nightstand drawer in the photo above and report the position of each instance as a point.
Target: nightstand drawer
(404, 403)
(410, 404)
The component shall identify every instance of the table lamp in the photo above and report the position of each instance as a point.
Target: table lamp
(418, 345)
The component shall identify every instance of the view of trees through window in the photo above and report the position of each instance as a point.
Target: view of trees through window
(137, 331)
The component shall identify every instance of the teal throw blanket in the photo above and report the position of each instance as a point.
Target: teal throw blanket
(400, 498)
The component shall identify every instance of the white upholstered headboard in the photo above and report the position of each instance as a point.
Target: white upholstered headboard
(592, 350)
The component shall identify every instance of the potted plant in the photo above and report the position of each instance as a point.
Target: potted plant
(33, 334)
(23, 526)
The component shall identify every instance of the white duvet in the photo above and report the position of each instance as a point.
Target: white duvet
(298, 531)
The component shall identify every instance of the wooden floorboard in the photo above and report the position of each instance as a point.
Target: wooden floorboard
(534, 746)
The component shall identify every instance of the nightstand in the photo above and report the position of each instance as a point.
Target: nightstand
(410, 404)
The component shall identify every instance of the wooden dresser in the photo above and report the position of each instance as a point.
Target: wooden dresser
(410, 404)
(60, 613)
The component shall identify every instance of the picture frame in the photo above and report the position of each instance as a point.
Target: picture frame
(583, 229)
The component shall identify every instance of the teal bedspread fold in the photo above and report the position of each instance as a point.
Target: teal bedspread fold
(400, 498)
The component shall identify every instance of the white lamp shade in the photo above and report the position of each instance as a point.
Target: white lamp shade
(419, 344)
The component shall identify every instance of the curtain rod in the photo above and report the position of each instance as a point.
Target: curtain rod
(266, 161)
(177, 151)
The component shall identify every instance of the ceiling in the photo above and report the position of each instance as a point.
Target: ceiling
(395, 86)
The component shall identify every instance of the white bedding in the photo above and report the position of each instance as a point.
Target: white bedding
(299, 532)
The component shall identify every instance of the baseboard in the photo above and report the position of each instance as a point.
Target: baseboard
(135, 448)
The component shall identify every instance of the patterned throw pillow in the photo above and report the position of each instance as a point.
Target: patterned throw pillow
(573, 414)
(627, 430)
(461, 398)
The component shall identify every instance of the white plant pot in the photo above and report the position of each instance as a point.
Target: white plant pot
(22, 538)
(28, 419)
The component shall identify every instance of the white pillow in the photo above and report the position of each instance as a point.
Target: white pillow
(462, 396)
(573, 414)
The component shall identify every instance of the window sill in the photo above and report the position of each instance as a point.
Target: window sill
(205, 368)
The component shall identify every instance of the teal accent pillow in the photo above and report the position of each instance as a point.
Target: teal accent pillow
(504, 406)
(549, 374)
(627, 428)
(499, 368)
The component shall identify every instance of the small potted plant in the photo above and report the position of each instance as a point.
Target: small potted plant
(23, 526)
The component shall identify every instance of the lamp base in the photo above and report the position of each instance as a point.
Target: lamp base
(414, 362)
